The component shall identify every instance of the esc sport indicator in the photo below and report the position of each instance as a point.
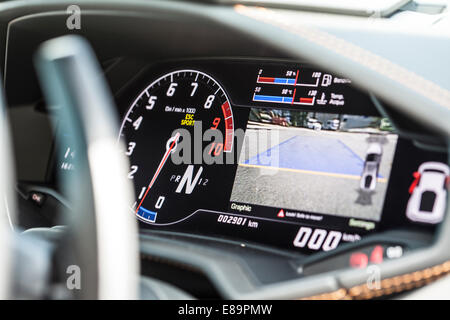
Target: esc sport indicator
(299, 87)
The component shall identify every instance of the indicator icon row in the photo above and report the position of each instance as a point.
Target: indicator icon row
(297, 87)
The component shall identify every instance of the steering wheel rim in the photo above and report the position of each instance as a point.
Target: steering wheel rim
(105, 239)
(7, 207)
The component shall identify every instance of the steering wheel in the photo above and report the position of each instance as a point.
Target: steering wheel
(103, 236)
(6, 183)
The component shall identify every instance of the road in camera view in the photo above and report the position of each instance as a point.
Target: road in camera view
(308, 170)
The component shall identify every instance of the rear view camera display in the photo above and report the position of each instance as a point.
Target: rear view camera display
(304, 162)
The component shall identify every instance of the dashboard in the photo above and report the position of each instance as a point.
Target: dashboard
(267, 161)
(277, 153)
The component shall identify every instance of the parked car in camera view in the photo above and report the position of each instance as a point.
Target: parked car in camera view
(372, 162)
(332, 125)
(428, 193)
(281, 121)
(314, 124)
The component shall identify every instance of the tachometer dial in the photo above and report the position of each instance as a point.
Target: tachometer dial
(177, 132)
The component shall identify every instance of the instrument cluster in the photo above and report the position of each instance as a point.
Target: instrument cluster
(271, 152)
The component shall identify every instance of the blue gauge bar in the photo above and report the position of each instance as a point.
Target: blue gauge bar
(147, 214)
(258, 97)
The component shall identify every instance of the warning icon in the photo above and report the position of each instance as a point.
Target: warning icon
(280, 214)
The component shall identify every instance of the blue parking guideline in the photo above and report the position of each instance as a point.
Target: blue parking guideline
(318, 154)
(147, 214)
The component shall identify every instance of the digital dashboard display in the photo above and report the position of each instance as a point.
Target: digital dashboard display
(272, 153)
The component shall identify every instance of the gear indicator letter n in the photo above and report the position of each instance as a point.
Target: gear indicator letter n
(188, 181)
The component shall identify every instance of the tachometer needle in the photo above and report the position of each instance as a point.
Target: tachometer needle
(171, 143)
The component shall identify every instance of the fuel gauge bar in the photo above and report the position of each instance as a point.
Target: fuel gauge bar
(297, 81)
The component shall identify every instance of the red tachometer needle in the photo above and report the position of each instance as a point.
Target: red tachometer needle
(161, 165)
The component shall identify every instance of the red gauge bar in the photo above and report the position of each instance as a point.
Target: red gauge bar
(306, 100)
(229, 127)
(295, 89)
(266, 79)
(274, 80)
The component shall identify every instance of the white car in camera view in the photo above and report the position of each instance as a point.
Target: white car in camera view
(428, 193)
(372, 162)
